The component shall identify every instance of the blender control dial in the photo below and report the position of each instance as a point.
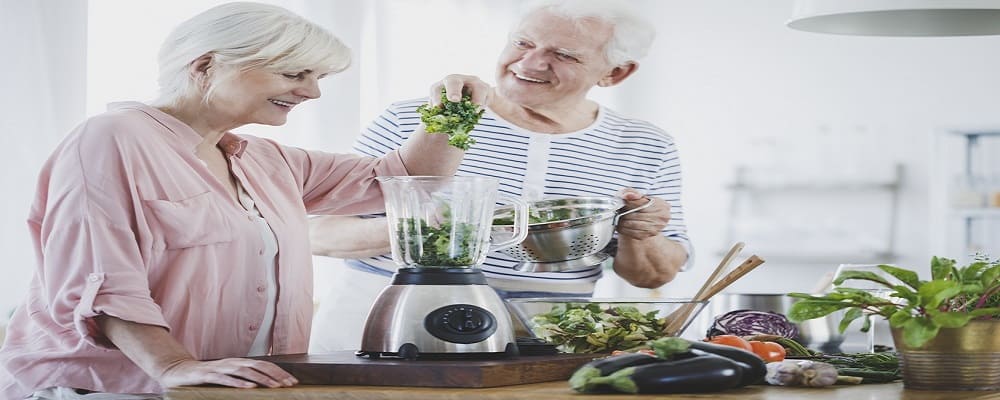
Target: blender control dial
(460, 323)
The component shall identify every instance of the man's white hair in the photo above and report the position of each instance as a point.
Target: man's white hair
(241, 36)
(632, 34)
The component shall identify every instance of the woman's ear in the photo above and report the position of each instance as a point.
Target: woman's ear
(199, 70)
(618, 74)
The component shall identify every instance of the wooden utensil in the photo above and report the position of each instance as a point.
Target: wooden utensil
(748, 265)
(728, 258)
(681, 314)
(677, 318)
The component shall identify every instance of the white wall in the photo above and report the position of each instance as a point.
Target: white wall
(726, 78)
(734, 86)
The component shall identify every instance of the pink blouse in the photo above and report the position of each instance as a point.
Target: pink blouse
(128, 222)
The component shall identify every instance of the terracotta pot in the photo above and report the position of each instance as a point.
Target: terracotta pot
(966, 358)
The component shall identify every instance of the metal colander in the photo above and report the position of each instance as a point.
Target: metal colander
(563, 229)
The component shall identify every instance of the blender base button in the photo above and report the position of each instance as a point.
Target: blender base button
(461, 323)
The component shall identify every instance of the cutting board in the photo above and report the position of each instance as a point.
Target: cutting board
(344, 368)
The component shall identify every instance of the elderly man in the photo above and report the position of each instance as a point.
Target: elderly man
(541, 137)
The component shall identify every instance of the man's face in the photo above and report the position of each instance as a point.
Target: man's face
(550, 60)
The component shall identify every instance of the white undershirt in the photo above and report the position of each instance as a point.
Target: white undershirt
(267, 260)
(534, 171)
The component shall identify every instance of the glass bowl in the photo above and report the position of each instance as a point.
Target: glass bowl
(595, 325)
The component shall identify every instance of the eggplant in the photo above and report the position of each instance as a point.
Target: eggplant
(754, 367)
(581, 379)
(704, 373)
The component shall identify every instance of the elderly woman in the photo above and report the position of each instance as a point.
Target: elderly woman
(164, 239)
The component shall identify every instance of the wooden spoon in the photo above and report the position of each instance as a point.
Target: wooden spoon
(678, 317)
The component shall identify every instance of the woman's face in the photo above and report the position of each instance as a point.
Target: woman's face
(261, 96)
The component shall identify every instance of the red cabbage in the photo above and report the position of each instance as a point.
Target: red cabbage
(753, 322)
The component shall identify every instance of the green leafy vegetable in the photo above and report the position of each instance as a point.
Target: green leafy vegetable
(589, 328)
(536, 216)
(453, 118)
(871, 367)
(439, 246)
(953, 297)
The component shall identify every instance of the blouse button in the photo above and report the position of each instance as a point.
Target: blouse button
(252, 327)
(261, 289)
(93, 278)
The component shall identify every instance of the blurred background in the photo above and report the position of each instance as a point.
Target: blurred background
(816, 150)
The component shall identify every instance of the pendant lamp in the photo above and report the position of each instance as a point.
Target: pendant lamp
(898, 17)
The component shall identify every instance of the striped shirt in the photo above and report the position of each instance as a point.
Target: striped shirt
(612, 153)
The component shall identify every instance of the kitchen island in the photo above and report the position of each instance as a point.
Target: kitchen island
(560, 390)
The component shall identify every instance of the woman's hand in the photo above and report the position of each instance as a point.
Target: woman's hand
(234, 372)
(454, 85)
(166, 360)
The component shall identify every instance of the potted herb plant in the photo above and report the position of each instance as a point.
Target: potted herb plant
(945, 329)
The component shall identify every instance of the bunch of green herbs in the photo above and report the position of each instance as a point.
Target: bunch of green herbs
(444, 245)
(591, 328)
(455, 118)
(878, 367)
(953, 297)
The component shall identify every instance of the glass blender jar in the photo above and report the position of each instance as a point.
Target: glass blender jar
(439, 302)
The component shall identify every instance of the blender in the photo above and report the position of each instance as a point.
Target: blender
(439, 304)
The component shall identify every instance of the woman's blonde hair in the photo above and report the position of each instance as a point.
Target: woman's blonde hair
(241, 36)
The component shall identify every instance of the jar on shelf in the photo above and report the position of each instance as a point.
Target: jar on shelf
(966, 192)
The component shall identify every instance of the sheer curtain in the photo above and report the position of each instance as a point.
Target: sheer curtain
(44, 82)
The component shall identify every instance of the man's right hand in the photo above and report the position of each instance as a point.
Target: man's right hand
(234, 372)
(480, 92)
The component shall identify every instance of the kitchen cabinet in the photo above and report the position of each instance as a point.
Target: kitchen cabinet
(975, 192)
(560, 390)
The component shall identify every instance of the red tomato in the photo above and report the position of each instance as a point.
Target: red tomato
(769, 351)
(731, 340)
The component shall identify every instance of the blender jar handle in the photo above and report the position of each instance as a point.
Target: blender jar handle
(520, 223)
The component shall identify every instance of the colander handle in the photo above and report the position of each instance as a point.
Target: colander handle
(520, 223)
(615, 220)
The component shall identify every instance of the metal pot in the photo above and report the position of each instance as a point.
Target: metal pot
(818, 333)
(966, 358)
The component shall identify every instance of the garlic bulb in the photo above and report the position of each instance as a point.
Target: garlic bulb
(783, 373)
(800, 373)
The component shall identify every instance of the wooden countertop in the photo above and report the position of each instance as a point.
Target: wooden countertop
(561, 391)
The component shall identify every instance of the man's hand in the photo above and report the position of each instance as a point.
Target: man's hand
(234, 372)
(480, 92)
(647, 222)
(645, 258)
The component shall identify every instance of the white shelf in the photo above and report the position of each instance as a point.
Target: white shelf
(811, 186)
(826, 259)
(992, 212)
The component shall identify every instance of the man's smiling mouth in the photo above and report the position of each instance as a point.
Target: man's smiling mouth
(525, 78)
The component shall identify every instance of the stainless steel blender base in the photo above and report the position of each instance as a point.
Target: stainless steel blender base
(418, 320)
